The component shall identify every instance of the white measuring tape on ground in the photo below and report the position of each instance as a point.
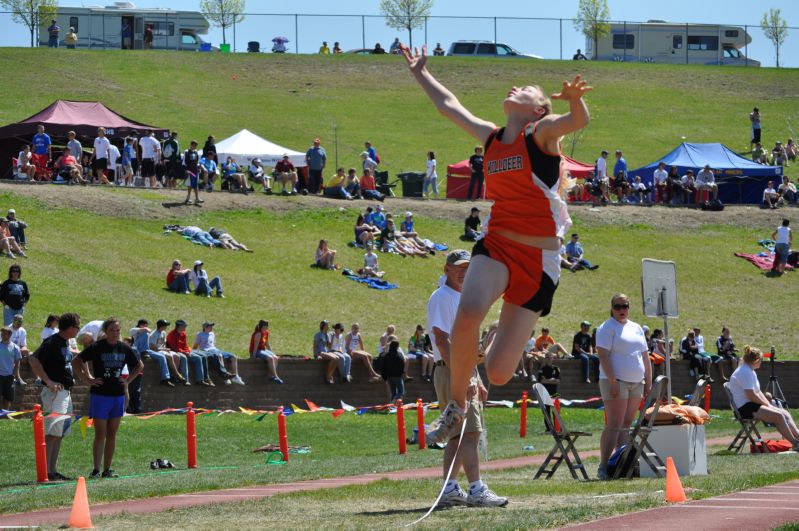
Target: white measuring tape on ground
(449, 472)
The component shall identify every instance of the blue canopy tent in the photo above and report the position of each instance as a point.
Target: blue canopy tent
(740, 180)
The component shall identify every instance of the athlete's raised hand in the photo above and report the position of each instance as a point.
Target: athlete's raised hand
(416, 61)
(573, 90)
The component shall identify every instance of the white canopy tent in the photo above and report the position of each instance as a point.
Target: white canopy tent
(245, 146)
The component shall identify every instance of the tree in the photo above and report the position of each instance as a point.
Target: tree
(223, 13)
(775, 28)
(405, 14)
(592, 17)
(32, 13)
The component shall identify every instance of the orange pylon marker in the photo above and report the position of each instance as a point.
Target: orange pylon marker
(674, 491)
(80, 518)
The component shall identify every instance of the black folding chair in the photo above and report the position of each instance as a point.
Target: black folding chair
(638, 446)
(748, 431)
(383, 186)
(563, 449)
(699, 392)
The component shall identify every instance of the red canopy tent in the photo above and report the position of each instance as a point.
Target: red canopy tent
(458, 176)
(83, 117)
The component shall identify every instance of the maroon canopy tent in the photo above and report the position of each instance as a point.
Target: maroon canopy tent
(83, 117)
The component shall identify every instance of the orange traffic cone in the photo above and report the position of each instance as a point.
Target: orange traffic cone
(674, 491)
(80, 518)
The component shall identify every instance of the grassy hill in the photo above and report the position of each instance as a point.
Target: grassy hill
(644, 109)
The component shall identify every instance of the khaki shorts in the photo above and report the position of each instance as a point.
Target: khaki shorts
(474, 412)
(627, 390)
(57, 409)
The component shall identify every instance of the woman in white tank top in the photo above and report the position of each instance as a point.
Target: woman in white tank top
(357, 351)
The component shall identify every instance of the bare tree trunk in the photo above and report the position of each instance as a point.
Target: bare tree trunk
(596, 47)
(410, 38)
(224, 39)
(778, 56)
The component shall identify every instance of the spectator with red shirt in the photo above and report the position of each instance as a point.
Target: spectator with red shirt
(176, 341)
(177, 279)
(262, 350)
(286, 173)
(368, 188)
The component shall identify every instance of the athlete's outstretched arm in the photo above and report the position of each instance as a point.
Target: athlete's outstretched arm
(556, 126)
(444, 100)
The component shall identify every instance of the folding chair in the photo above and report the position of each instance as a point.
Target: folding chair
(382, 184)
(699, 392)
(748, 429)
(563, 449)
(638, 446)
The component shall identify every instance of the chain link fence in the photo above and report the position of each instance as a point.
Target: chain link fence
(548, 38)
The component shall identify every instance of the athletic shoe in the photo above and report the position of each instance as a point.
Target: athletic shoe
(237, 380)
(108, 473)
(186, 383)
(276, 380)
(167, 383)
(453, 498)
(220, 296)
(227, 381)
(447, 425)
(57, 476)
(95, 474)
(602, 473)
(486, 498)
(22, 382)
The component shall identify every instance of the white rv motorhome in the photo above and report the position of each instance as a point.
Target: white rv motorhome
(102, 27)
(657, 41)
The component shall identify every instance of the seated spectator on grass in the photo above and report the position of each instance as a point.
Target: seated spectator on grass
(352, 184)
(778, 155)
(202, 286)
(50, 327)
(661, 180)
(394, 241)
(725, 347)
(640, 191)
(771, 199)
(750, 401)
(787, 191)
(791, 150)
(379, 50)
(574, 250)
(688, 187)
(8, 243)
(393, 368)
(368, 188)
(10, 356)
(176, 341)
(565, 261)
(419, 347)
(354, 347)
(322, 351)
(759, 154)
(365, 234)
(407, 230)
(227, 241)
(257, 175)
(471, 227)
(325, 257)
(706, 181)
(621, 186)
(699, 365)
(339, 348)
(260, 349)
(17, 228)
(14, 294)
(168, 360)
(209, 171)
(376, 217)
(371, 268)
(286, 175)
(675, 185)
(25, 164)
(584, 351)
(205, 344)
(177, 279)
(335, 186)
(68, 169)
(546, 343)
(234, 176)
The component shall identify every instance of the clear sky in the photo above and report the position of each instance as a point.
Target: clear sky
(537, 37)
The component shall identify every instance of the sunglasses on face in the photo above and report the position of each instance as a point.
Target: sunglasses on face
(621, 306)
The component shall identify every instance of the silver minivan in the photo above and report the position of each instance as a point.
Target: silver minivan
(485, 49)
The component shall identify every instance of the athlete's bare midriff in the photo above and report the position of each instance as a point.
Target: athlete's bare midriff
(548, 243)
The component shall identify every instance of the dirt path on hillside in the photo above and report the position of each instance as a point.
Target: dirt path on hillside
(168, 205)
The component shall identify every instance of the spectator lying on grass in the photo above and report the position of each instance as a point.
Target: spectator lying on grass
(226, 241)
(261, 349)
(408, 231)
(393, 241)
(325, 257)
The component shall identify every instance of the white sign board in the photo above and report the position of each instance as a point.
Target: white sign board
(659, 288)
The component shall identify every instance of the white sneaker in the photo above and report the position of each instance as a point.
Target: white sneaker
(486, 498)
(453, 498)
(237, 380)
(227, 381)
(447, 425)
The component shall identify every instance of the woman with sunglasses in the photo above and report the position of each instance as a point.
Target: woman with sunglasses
(14, 294)
(625, 375)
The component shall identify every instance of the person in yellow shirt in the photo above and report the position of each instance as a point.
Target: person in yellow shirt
(335, 186)
(324, 50)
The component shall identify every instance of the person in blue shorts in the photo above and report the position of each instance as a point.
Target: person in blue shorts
(107, 357)
(193, 183)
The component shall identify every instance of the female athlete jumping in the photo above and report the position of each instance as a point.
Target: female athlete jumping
(518, 257)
